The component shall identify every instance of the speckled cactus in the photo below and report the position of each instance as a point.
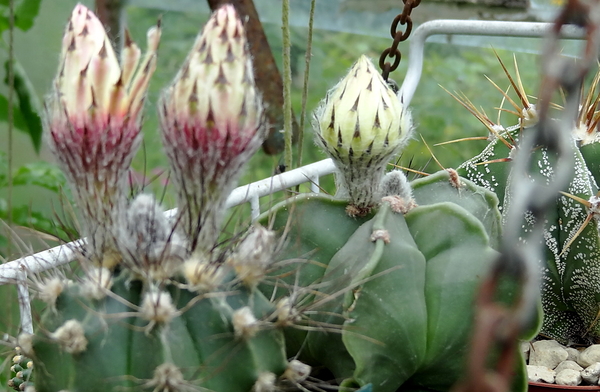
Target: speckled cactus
(570, 288)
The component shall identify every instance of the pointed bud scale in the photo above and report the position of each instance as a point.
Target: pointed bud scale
(92, 117)
(212, 122)
(361, 124)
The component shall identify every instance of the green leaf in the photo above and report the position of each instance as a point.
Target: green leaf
(42, 174)
(28, 104)
(18, 119)
(25, 13)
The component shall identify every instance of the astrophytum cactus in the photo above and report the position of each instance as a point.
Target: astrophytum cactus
(93, 121)
(212, 123)
(570, 264)
(361, 124)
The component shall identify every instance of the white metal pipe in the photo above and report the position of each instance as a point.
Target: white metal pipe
(10, 272)
(280, 182)
(466, 27)
(24, 303)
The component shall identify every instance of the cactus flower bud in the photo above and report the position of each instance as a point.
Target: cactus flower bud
(93, 121)
(361, 124)
(212, 123)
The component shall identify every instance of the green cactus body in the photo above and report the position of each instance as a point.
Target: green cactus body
(123, 350)
(400, 286)
(490, 169)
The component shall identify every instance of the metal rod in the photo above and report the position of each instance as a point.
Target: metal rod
(467, 27)
(54, 257)
(24, 303)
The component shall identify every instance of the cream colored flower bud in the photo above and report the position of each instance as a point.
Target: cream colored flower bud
(93, 122)
(361, 124)
(362, 115)
(212, 123)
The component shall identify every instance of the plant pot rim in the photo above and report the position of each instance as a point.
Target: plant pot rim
(541, 386)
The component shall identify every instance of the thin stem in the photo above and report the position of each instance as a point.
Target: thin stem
(287, 83)
(11, 91)
(307, 59)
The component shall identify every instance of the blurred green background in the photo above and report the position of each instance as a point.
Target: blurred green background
(437, 116)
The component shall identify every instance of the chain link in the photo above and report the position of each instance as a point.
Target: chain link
(393, 52)
(498, 325)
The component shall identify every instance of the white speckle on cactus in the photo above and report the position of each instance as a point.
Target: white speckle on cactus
(245, 324)
(71, 337)
(477, 170)
(202, 275)
(265, 382)
(97, 283)
(297, 371)
(498, 129)
(157, 307)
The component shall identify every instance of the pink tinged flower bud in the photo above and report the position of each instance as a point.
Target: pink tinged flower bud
(361, 124)
(212, 122)
(93, 119)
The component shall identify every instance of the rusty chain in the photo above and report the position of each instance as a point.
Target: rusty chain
(398, 35)
(498, 325)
